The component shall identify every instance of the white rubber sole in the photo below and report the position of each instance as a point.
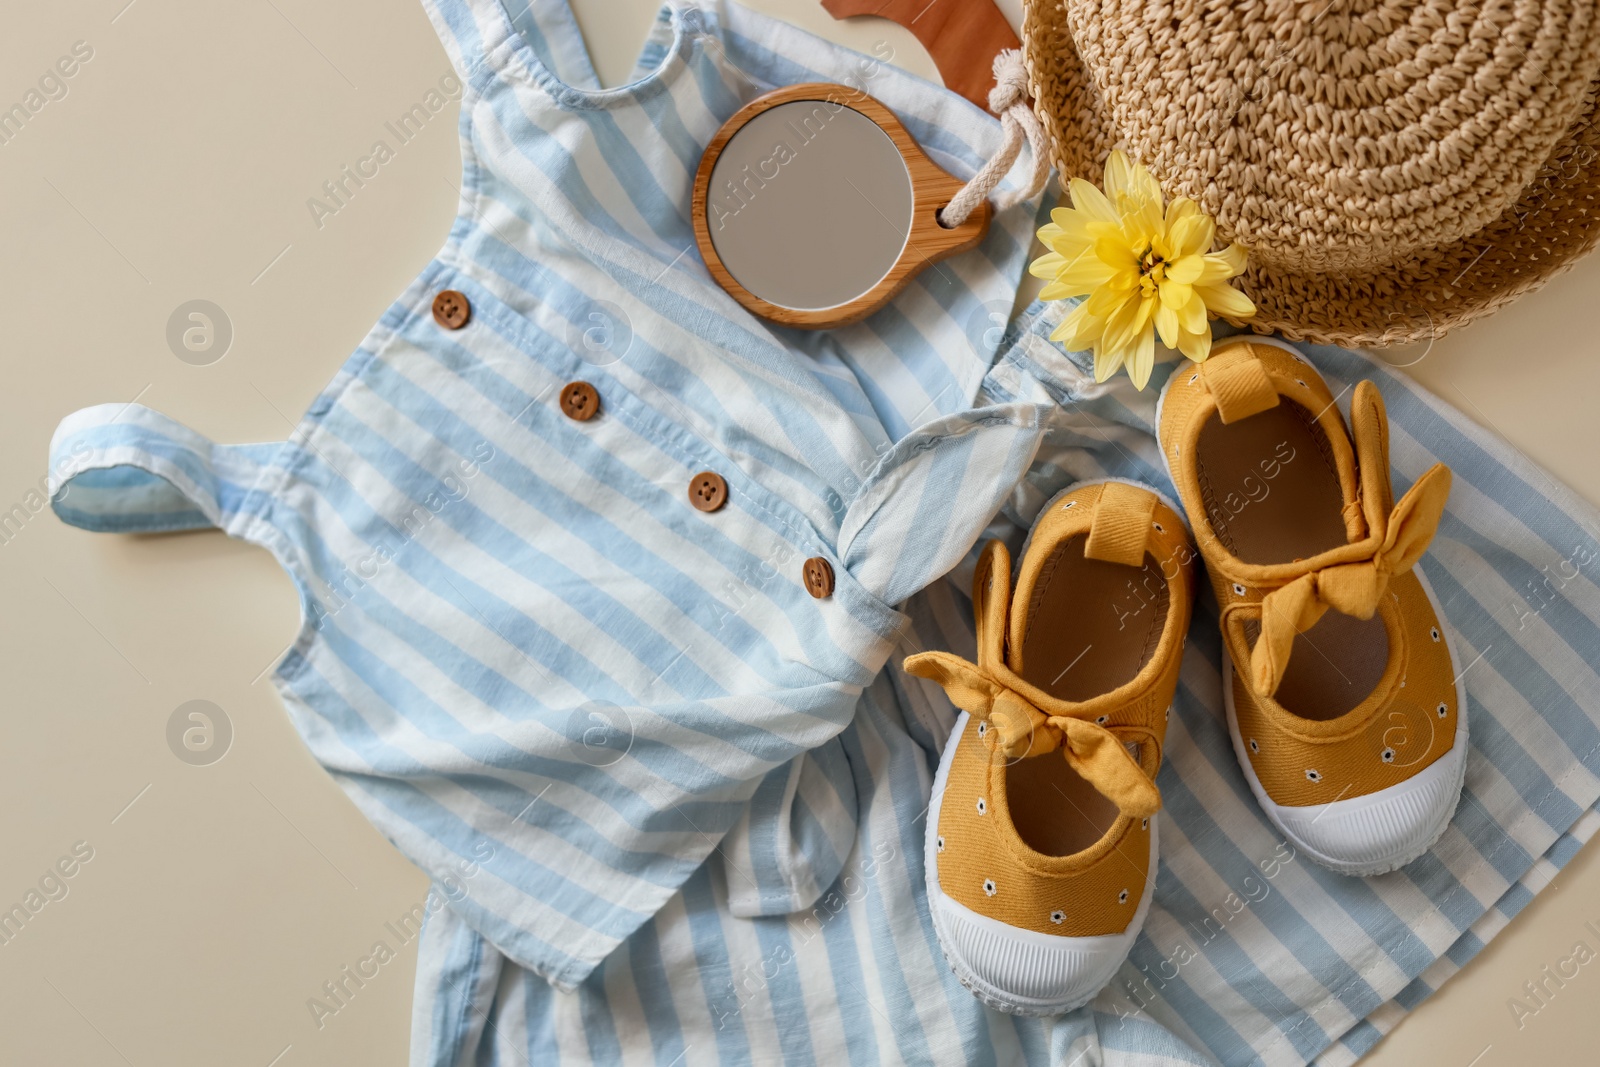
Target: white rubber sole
(1372, 834)
(1379, 832)
(1022, 972)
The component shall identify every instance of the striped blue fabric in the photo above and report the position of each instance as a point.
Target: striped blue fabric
(673, 805)
(519, 634)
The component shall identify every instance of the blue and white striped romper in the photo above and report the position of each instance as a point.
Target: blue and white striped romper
(671, 803)
(525, 655)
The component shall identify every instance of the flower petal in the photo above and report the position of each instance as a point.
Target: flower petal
(1090, 202)
(1117, 178)
(1181, 208)
(1063, 331)
(1176, 294)
(1087, 274)
(1108, 300)
(1197, 346)
(1117, 253)
(1191, 235)
(1106, 361)
(1119, 324)
(1225, 300)
(1129, 321)
(1047, 265)
(1220, 266)
(1143, 359)
(1186, 270)
(1167, 325)
(1192, 315)
(1145, 222)
(1080, 330)
(1079, 234)
(1142, 185)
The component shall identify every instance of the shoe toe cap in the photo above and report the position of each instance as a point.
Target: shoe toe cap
(1023, 972)
(1384, 830)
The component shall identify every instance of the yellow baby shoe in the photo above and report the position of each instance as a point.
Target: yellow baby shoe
(1350, 724)
(1041, 851)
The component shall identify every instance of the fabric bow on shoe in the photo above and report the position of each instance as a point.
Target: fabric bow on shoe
(1096, 752)
(1400, 537)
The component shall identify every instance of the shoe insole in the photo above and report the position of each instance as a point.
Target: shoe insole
(1092, 624)
(1092, 627)
(1055, 810)
(1271, 492)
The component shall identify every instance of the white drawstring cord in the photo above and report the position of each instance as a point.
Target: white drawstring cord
(1009, 100)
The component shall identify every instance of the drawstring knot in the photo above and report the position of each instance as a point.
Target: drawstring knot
(1008, 100)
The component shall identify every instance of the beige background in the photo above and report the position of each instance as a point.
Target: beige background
(221, 897)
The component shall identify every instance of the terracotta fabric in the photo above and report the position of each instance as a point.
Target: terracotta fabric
(963, 38)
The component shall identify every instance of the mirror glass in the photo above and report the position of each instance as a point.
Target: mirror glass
(809, 205)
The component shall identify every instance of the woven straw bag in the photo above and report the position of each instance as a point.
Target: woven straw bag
(1396, 168)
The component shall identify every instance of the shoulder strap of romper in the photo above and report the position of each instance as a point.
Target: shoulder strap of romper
(127, 469)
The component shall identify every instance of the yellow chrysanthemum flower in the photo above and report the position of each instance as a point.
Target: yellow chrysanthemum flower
(1145, 267)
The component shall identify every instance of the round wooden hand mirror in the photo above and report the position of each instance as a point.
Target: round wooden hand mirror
(813, 206)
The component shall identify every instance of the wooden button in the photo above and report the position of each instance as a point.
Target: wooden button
(708, 491)
(451, 309)
(818, 575)
(580, 401)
